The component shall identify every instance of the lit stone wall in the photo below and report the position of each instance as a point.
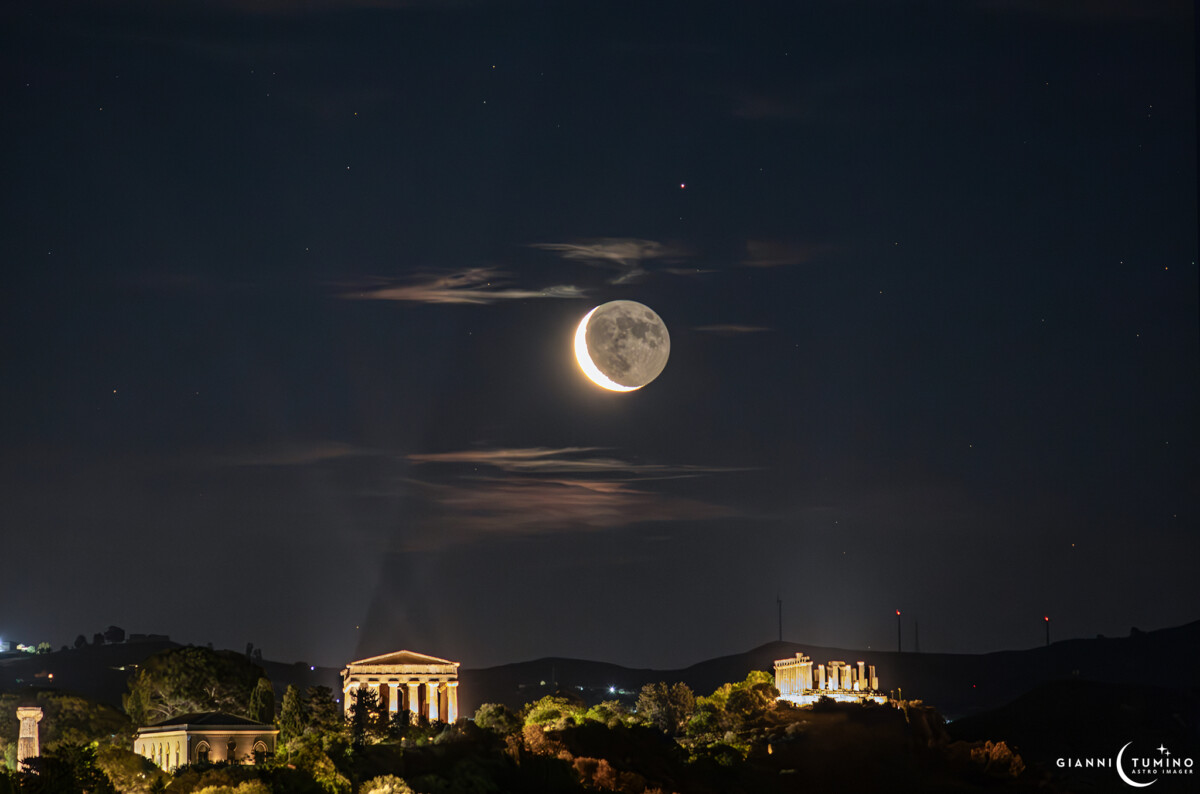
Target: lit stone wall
(173, 746)
(837, 680)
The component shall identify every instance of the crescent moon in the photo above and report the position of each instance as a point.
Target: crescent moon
(1121, 771)
(585, 359)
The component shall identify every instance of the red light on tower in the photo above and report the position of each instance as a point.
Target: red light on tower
(898, 612)
(1046, 619)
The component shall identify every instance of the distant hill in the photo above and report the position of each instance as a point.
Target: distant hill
(957, 684)
(101, 672)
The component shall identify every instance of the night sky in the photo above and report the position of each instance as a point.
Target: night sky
(290, 292)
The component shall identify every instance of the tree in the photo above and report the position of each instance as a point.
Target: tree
(293, 716)
(129, 772)
(114, 634)
(608, 712)
(554, 711)
(191, 679)
(80, 641)
(667, 707)
(245, 787)
(496, 717)
(364, 715)
(399, 723)
(68, 769)
(732, 706)
(747, 702)
(97, 639)
(385, 784)
(324, 713)
(262, 701)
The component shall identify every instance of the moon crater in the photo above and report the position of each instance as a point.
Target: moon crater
(622, 345)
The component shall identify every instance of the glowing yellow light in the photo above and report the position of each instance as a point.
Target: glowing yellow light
(585, 359)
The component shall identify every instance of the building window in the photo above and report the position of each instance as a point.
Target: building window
(260, 753)
(231, 750)
(202, 753)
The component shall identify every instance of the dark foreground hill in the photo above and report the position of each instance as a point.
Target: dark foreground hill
(1087, 720)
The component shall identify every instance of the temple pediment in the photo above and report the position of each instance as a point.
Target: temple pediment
(402, 658)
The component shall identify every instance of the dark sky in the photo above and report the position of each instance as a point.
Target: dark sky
(290, 291)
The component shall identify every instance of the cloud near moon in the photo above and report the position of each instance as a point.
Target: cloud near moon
(472, 286)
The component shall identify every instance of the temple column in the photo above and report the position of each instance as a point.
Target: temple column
(431, 694)
(27, 741)
(414, 701)
(393, 697)
(451, 701)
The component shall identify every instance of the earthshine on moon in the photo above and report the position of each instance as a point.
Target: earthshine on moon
(622, 345)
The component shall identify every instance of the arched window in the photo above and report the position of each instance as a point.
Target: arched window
(231, 750)
(202, 753)
(260, 752)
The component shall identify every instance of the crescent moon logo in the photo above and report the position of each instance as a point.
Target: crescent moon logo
(585, 359)
(1124, 777)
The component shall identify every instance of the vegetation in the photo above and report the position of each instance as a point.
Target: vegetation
(739, 738)
(67, 720)
(192, 679)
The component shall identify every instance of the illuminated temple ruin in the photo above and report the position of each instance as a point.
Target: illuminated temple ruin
(424, 686)
(801, 683)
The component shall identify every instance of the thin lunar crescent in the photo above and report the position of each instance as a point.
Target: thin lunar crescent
(585, 359)
(622, 345)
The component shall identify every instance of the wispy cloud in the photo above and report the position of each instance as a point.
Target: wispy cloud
(731, 329)
(518, 506)
(624, 254)
(472, 286)
(559, 460)
(539, 490)
(689, 271)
